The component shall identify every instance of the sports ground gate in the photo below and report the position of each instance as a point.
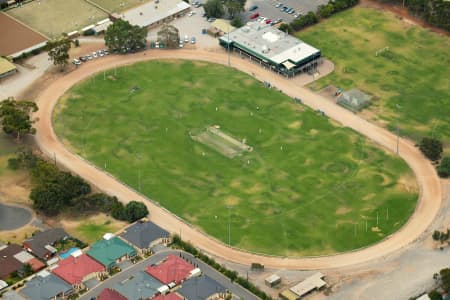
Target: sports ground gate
(272, 48)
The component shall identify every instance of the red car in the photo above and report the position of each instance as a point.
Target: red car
(254, 16)
(268, 21)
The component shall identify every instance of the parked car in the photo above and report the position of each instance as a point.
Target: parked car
(211, 19)
(94, 54)
(76, 62)
(193, 40)
(253, 7)
(89, 57)
(254, 16)
(191, 13)
(278, 5)
(186, 39)
(106, 51)
(181, 45)
(83, 58)
(157, 45)
(268, 21)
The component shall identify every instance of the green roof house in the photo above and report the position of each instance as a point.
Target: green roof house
(110, 251)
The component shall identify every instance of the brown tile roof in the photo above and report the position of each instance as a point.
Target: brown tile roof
(8, 263)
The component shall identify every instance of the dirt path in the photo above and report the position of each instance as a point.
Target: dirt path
(427, 208)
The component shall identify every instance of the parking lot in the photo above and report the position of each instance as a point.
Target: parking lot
(272, 9)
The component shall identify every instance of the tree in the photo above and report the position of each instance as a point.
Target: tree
(431, 148)
(15, 117)
(214, 8)
(285, 28)
(58, 51)
(135, 211)
(124, 37)
(444, 168)
(445, 279)
(325, 11)
(234, 7)
(436, 235)
(237, 22)
(49, 198)
(27, 270)
(434, 295)
(169, 36)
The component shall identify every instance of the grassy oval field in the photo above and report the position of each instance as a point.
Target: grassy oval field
(299, 185)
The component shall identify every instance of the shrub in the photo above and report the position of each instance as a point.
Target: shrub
(431, 148)
(13, 163)
(444, 168)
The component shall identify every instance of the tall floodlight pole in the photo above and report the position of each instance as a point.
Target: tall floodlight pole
(228, 45)
(139, 172)
(398, 125)
(229, 225)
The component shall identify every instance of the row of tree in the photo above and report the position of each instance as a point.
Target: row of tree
(323, 11)
(218, 8)
(435, 12)
(432, 148)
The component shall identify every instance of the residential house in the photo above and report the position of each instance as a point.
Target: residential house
(144, 235)
(46, 286)
(41, 244)
(8, 262)
(79, 268)
(110, 251)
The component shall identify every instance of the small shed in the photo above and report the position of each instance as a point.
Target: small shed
(354, 100)
(272, 280)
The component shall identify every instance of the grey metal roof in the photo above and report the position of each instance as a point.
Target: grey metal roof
(200, 288)
(140, 286)
(12, 295)
(270, 43)
(38, 242)
(141, 234)
(44, 288)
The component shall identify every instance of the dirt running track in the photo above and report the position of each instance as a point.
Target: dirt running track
(430, 189)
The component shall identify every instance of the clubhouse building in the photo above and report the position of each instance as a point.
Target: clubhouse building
(272, 48)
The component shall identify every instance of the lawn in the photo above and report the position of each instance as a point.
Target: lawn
(119, 5)
(414, 73)
(54, 17)
(91, 228)
(308, 187)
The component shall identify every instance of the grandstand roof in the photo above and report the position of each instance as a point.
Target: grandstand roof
(75, 269)
(312, 282)
(172, 269)
(150, 13)
(267, 42)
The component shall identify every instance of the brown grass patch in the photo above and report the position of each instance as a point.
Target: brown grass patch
(235, 183)
(232, 200)
(295, 125)
(343, 210)
(256, 188)
(313, 131)
(17, 236)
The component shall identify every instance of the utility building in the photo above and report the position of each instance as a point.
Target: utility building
(272, 48)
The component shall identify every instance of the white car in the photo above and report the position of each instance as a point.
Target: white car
(76, 62)
(181, 44)
(157, 45)
(94, 54)
(191, 13)
(186, 39)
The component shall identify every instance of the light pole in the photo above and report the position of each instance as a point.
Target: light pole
(229, 224)
(228, 45)
(398, 125)
(139, 172)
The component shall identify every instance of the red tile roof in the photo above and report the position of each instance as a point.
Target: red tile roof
(110, 294)
(173, 268)
(171, 296)
(36, 264)
(74, 269)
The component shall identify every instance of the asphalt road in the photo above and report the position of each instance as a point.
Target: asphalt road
(142, 265)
